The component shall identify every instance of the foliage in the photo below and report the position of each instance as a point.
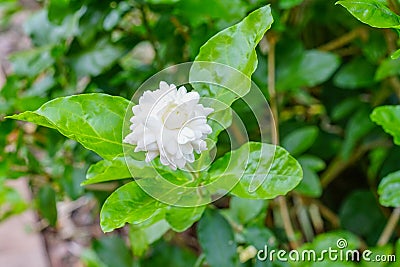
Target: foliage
(336, 82)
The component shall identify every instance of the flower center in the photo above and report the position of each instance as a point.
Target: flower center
(174, 117)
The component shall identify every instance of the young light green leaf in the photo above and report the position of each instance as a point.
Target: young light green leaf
(181, 218)
(396, 54)
(389, 118)
(94, 120)
(128, 204)
(263, 171)
(300, 140)
(389, 193)
(372, 13)
(217, 240)
(234, 47)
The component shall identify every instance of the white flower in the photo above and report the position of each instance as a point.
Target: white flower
(171, 123)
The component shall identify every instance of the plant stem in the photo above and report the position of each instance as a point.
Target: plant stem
(344, 39)
(287, 224)
(338, 165)
(389, 228)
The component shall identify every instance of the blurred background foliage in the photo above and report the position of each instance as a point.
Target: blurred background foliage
(331, 71)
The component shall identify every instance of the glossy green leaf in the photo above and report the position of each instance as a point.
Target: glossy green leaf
(234, 47)
(47, 204)
(265, 168)
(96, 59)
(128, 204)
(298, 141)
(358, 73)
(388, 67)
(389, 118)
(94, 120)
(181, 218)
(217, 240)
(307, 69)
(107, 170)
(372, 13)
(389, 190)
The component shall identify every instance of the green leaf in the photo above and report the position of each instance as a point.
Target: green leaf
(361, 214)
(169, 255)
(265, 168)
(204, 11)
(234, 47)
(372, 13)
(298, 141)
(216, 239)
(143, 234)
(396, 54)
(31, 62)
(181, 218)
(47, 204)
(244, 210)
(57, 10)
(389, 193)
(388, 67)
(345, 108)
(358, 126)
(44, 32)
(107, 170)
(112, 251)
(307, 69)
(128, 204)
(358, 73)
(94, 120)
(287, 4)
(96, 59)
(377, 252)
(310, 185)
(11, 202)
(389, 118)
